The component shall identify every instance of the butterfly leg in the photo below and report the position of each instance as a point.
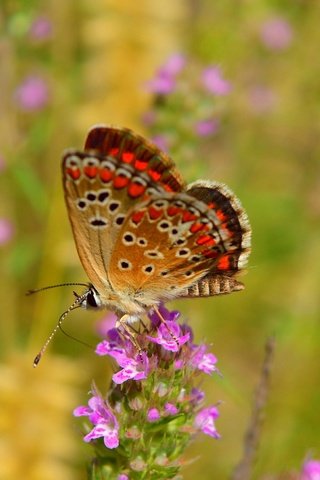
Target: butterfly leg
(124, 323)
(162, 320)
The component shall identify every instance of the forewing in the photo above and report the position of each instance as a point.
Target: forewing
(117, 170)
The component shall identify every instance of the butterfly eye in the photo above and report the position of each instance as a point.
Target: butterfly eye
(91, 301)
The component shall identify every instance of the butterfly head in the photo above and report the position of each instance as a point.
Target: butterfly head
(90, 299)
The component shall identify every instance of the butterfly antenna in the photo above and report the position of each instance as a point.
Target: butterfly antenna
(76, 304)
(71, 284)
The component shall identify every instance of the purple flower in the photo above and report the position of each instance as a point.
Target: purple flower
(161, 85)
(165, 80)
(169, 336)
(206, 127)
(6, 231)
(132, 368)
(41, 28)
(276, 33)
(214, 82)
(165, 314)
(311, 470)
(161, 142)
(197, 396)
(32, 94)
(170, 409)
(205, 421)
(123, 476)
(174, 64)
(203, 361)
(153, 415)
(103, 419)
(106, 323)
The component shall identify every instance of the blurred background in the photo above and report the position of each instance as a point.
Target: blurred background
(231, 89)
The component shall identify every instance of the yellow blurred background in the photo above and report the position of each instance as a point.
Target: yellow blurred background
(93, 59)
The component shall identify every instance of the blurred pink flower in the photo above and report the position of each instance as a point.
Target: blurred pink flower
(161, 142)
(214, 82)
(161, 85)
(41, 28)
(174, 64)
(311, 470)
(207, 127)
(32, 94)
(276, 33)
(164, 81)
(6, 231)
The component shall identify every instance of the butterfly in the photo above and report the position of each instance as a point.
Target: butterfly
(143, 236)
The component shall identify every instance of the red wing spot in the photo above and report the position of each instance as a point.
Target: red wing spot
(172, 211)
(196, 227)
(140, 164)
(154, 175)
(168, 188)
(127, 157)
(74, 173)
(188, 216)
(210, 253)
(224, 263)
(113, 151)
(206, 240)
(212, 205)
(120, 181)
(222, 217)
(136, 189)
(154, 213)
(106, 174)
(138, 216)
(90, 171)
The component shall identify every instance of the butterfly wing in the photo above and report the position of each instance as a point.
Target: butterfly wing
(236, 224)
(116, 170)
(169, 243)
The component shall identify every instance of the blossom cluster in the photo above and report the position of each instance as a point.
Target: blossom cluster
(154, 395)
